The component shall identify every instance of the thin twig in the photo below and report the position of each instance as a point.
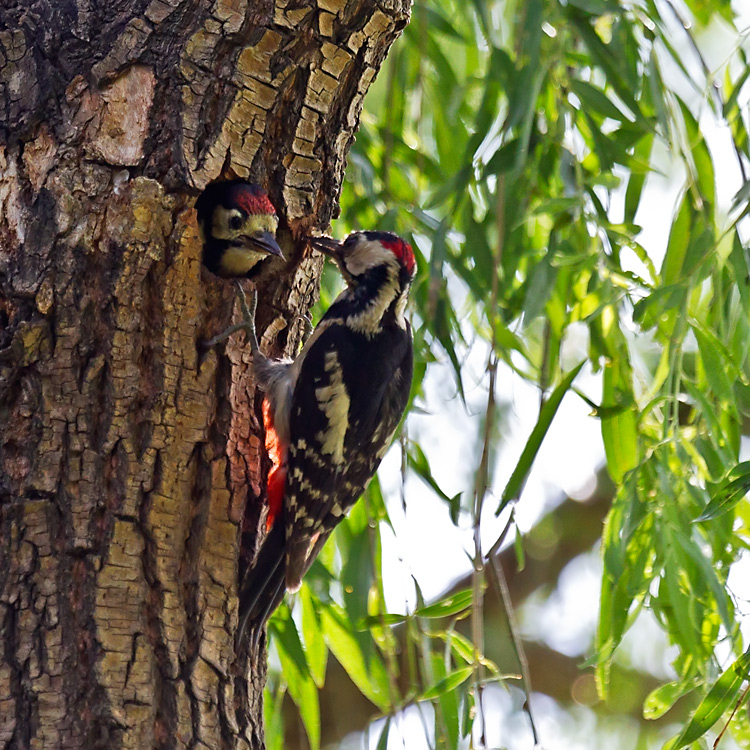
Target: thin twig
(737, 705)
(504, 592)
(510, 613)
(481, 486)
(477, 620)
(386, 635)
(499, 575)
(495, 548)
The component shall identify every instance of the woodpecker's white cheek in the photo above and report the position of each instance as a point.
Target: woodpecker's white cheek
(368, 254)
(400, 309)
(334, 402)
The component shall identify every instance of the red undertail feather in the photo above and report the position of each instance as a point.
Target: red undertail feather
(277, 473)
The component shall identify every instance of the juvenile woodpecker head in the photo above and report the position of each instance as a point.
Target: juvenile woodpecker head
(238, 227)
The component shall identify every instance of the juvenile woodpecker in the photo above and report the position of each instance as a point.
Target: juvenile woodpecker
(334, 410)
(238, 227)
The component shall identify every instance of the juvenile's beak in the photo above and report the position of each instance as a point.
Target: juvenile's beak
(326, 245)
(265, 241)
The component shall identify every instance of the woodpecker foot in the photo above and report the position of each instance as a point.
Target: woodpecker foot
(248, 321)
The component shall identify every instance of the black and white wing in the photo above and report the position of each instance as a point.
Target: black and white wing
(349, 398)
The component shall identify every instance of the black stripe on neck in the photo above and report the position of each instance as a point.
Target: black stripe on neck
(362, 295)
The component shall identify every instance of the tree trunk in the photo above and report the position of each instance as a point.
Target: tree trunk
(128, 453)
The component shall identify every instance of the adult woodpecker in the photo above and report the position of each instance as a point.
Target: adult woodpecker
(238, 226)
(334, 410)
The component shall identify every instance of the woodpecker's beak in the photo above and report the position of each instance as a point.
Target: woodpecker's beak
(264, 241)
(326, 245)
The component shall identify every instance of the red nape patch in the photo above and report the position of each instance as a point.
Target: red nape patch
(252, 199)
(277, 474)
(402, 250)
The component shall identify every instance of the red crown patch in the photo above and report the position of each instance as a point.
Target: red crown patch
(252, 199)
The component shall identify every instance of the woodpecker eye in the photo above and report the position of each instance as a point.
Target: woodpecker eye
(235, 221)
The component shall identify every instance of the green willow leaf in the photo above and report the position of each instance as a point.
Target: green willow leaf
(593, 98)
(605, 57)
(460, 645)
(448, 683)
(620, 425)
(529, 453)
(679, 240)
(345, 647)
(315, 647)
(717, 364)
(273, 719)
(636, 181)
(701, 158)
(728, 493)
(660, 700)
(720, 697)
(297, 676)
(451, 605)
(449, 713)
(596, 7)
(439, 22)
(385, 619)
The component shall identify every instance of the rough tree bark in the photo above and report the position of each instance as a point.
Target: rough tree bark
(127, 453)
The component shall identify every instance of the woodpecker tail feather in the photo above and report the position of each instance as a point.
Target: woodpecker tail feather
(259, 594)
(300, 557)
(276, 593)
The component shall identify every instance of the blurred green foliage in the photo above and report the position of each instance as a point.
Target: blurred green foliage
(513, 143)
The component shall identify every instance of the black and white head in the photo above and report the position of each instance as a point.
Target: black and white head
(378, 268)
(238, 225)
